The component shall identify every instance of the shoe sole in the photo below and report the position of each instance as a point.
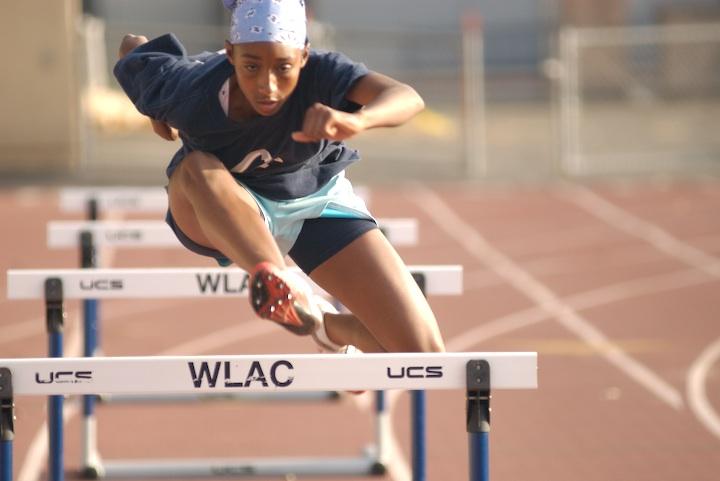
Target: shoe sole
(272, 299)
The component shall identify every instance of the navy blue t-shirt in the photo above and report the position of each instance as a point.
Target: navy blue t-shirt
(166, 84)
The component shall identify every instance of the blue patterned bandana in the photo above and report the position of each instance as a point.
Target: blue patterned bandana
(281, 21)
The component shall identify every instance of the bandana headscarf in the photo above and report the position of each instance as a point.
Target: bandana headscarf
(281, 21)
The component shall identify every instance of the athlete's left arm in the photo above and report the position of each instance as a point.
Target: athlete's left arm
(385, 103)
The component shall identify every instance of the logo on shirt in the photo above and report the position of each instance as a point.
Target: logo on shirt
(261, 155)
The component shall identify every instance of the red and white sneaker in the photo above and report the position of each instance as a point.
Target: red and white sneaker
(279, 296)
(320, 335)
(282, 297)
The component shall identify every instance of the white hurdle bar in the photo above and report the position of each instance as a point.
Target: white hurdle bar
(130, 199)
(264, 373)
(401, 232)
(127, 199)
(145, 283)
(475, 372)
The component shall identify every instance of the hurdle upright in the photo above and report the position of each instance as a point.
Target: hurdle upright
(475, 372)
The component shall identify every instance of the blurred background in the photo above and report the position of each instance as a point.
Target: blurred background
(521, 90)
(577, 146)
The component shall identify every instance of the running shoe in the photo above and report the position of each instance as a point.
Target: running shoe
(320, 335)
(281, 297)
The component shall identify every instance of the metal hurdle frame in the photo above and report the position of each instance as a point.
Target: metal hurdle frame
(93, 233)
(471, 371)
(89, 236)
(57, 285)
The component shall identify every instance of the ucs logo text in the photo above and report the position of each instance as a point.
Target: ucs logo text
(279, 374)
(63, 377)
(415, 372)
(101, 285)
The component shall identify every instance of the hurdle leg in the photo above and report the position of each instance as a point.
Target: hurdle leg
(55, 317)
(7, 428)
(418, 408)
(90, 459)
(418, 435)
(478, 418)
(382, 433)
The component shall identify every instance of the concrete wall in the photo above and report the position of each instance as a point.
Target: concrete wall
(201, 12)
(39, 116)
(515, 31)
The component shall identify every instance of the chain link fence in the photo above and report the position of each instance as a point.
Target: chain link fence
(639, 99)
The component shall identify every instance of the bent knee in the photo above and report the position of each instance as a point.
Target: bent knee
(433, 344)
(198, 169)
(427, 340)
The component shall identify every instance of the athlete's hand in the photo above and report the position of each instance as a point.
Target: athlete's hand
(322, 122)
(163, 129)
(130, 42)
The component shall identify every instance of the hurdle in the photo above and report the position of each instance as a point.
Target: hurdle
(59, 284)
(93, 234)
(401, 232)
(150, 199)
(475, 372)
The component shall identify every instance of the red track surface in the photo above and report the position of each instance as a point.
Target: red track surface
(616, 286)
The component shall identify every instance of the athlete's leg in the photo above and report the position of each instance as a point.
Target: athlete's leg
(371, 280)
(345, 329)
(210, 208)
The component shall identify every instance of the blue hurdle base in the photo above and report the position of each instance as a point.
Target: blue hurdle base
(479, 455)
(6, 458)
(7, 425)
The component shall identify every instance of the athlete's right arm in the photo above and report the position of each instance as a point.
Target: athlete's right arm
(129, 43)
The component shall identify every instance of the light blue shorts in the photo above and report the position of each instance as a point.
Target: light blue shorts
(338, 217)
(285, 218)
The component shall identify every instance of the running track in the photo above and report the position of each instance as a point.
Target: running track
(616, 285)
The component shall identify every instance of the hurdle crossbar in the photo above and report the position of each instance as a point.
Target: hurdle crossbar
(180, 282)
(130, 199)
(400, 232)
(264, 373)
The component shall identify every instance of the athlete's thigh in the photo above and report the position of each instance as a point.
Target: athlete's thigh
(182, 209)
(184, 215)
(371, 280)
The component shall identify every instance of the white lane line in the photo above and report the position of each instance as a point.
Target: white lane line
(572, 238)
(241, 332)
(476, 245)
(697, 396)
(36, 327)
(636, 227)
(585, 300)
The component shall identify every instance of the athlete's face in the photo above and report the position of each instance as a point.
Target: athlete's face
(266, 72)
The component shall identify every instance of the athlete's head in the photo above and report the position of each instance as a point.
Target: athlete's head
(267, 48)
